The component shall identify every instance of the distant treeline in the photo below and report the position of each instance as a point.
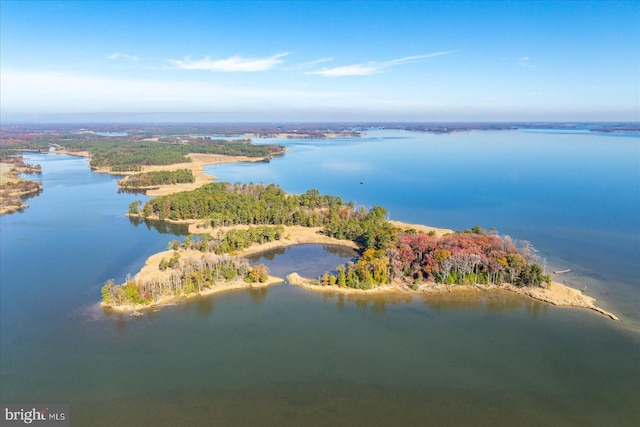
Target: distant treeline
(131, 155)
(148, 179)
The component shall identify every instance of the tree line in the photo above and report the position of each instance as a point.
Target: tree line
(235, 239)
(131, 155)
(224, 204)
(148, 179)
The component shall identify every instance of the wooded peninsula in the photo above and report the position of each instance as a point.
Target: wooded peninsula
(230, 220)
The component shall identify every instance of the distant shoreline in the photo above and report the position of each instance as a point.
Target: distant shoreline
(196, 166)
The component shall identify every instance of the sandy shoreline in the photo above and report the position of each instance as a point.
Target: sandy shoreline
(557, 294)
(151, 270)
(172, 299)
(439, 232)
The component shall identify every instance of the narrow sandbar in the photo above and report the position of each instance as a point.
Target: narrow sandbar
(556, 294)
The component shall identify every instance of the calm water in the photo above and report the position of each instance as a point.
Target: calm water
(286, 356)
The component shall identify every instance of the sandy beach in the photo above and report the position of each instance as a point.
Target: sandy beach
(439, 232)
(557, 294)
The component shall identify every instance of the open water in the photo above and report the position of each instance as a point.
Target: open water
(286, 356)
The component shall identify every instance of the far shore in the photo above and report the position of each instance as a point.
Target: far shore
(196, 166)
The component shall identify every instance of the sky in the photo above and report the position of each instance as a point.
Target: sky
(337, 61)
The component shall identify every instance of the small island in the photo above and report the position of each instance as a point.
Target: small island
(230, 221)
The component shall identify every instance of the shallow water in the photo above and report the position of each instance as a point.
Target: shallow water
(287, 356)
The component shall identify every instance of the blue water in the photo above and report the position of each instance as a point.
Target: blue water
(286, 356)
(574, 195)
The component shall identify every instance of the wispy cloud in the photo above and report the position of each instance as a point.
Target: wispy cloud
(120, 55)
(233, 63)
(525, 62)
(373, 67)
(311, 64)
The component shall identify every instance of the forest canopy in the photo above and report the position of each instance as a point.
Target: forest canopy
(148, 179)
(388, 254)
(127, 156)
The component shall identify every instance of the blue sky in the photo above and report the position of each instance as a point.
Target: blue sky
(322, 61)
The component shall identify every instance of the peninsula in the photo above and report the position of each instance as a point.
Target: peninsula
(233, 220)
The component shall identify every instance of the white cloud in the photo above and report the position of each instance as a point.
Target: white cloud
(119, 55)
(311, 64)
(348, 70)
(233, 63)
(373, 67)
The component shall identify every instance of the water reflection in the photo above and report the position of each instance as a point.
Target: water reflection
(341, 251)
(258, 295)
(204, 306)
(267, 256)
(308, 260)
(498, 301)
(162, 227)
(137, 191)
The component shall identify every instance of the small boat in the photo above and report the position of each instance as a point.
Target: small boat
(361, 182)
(562, 271)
